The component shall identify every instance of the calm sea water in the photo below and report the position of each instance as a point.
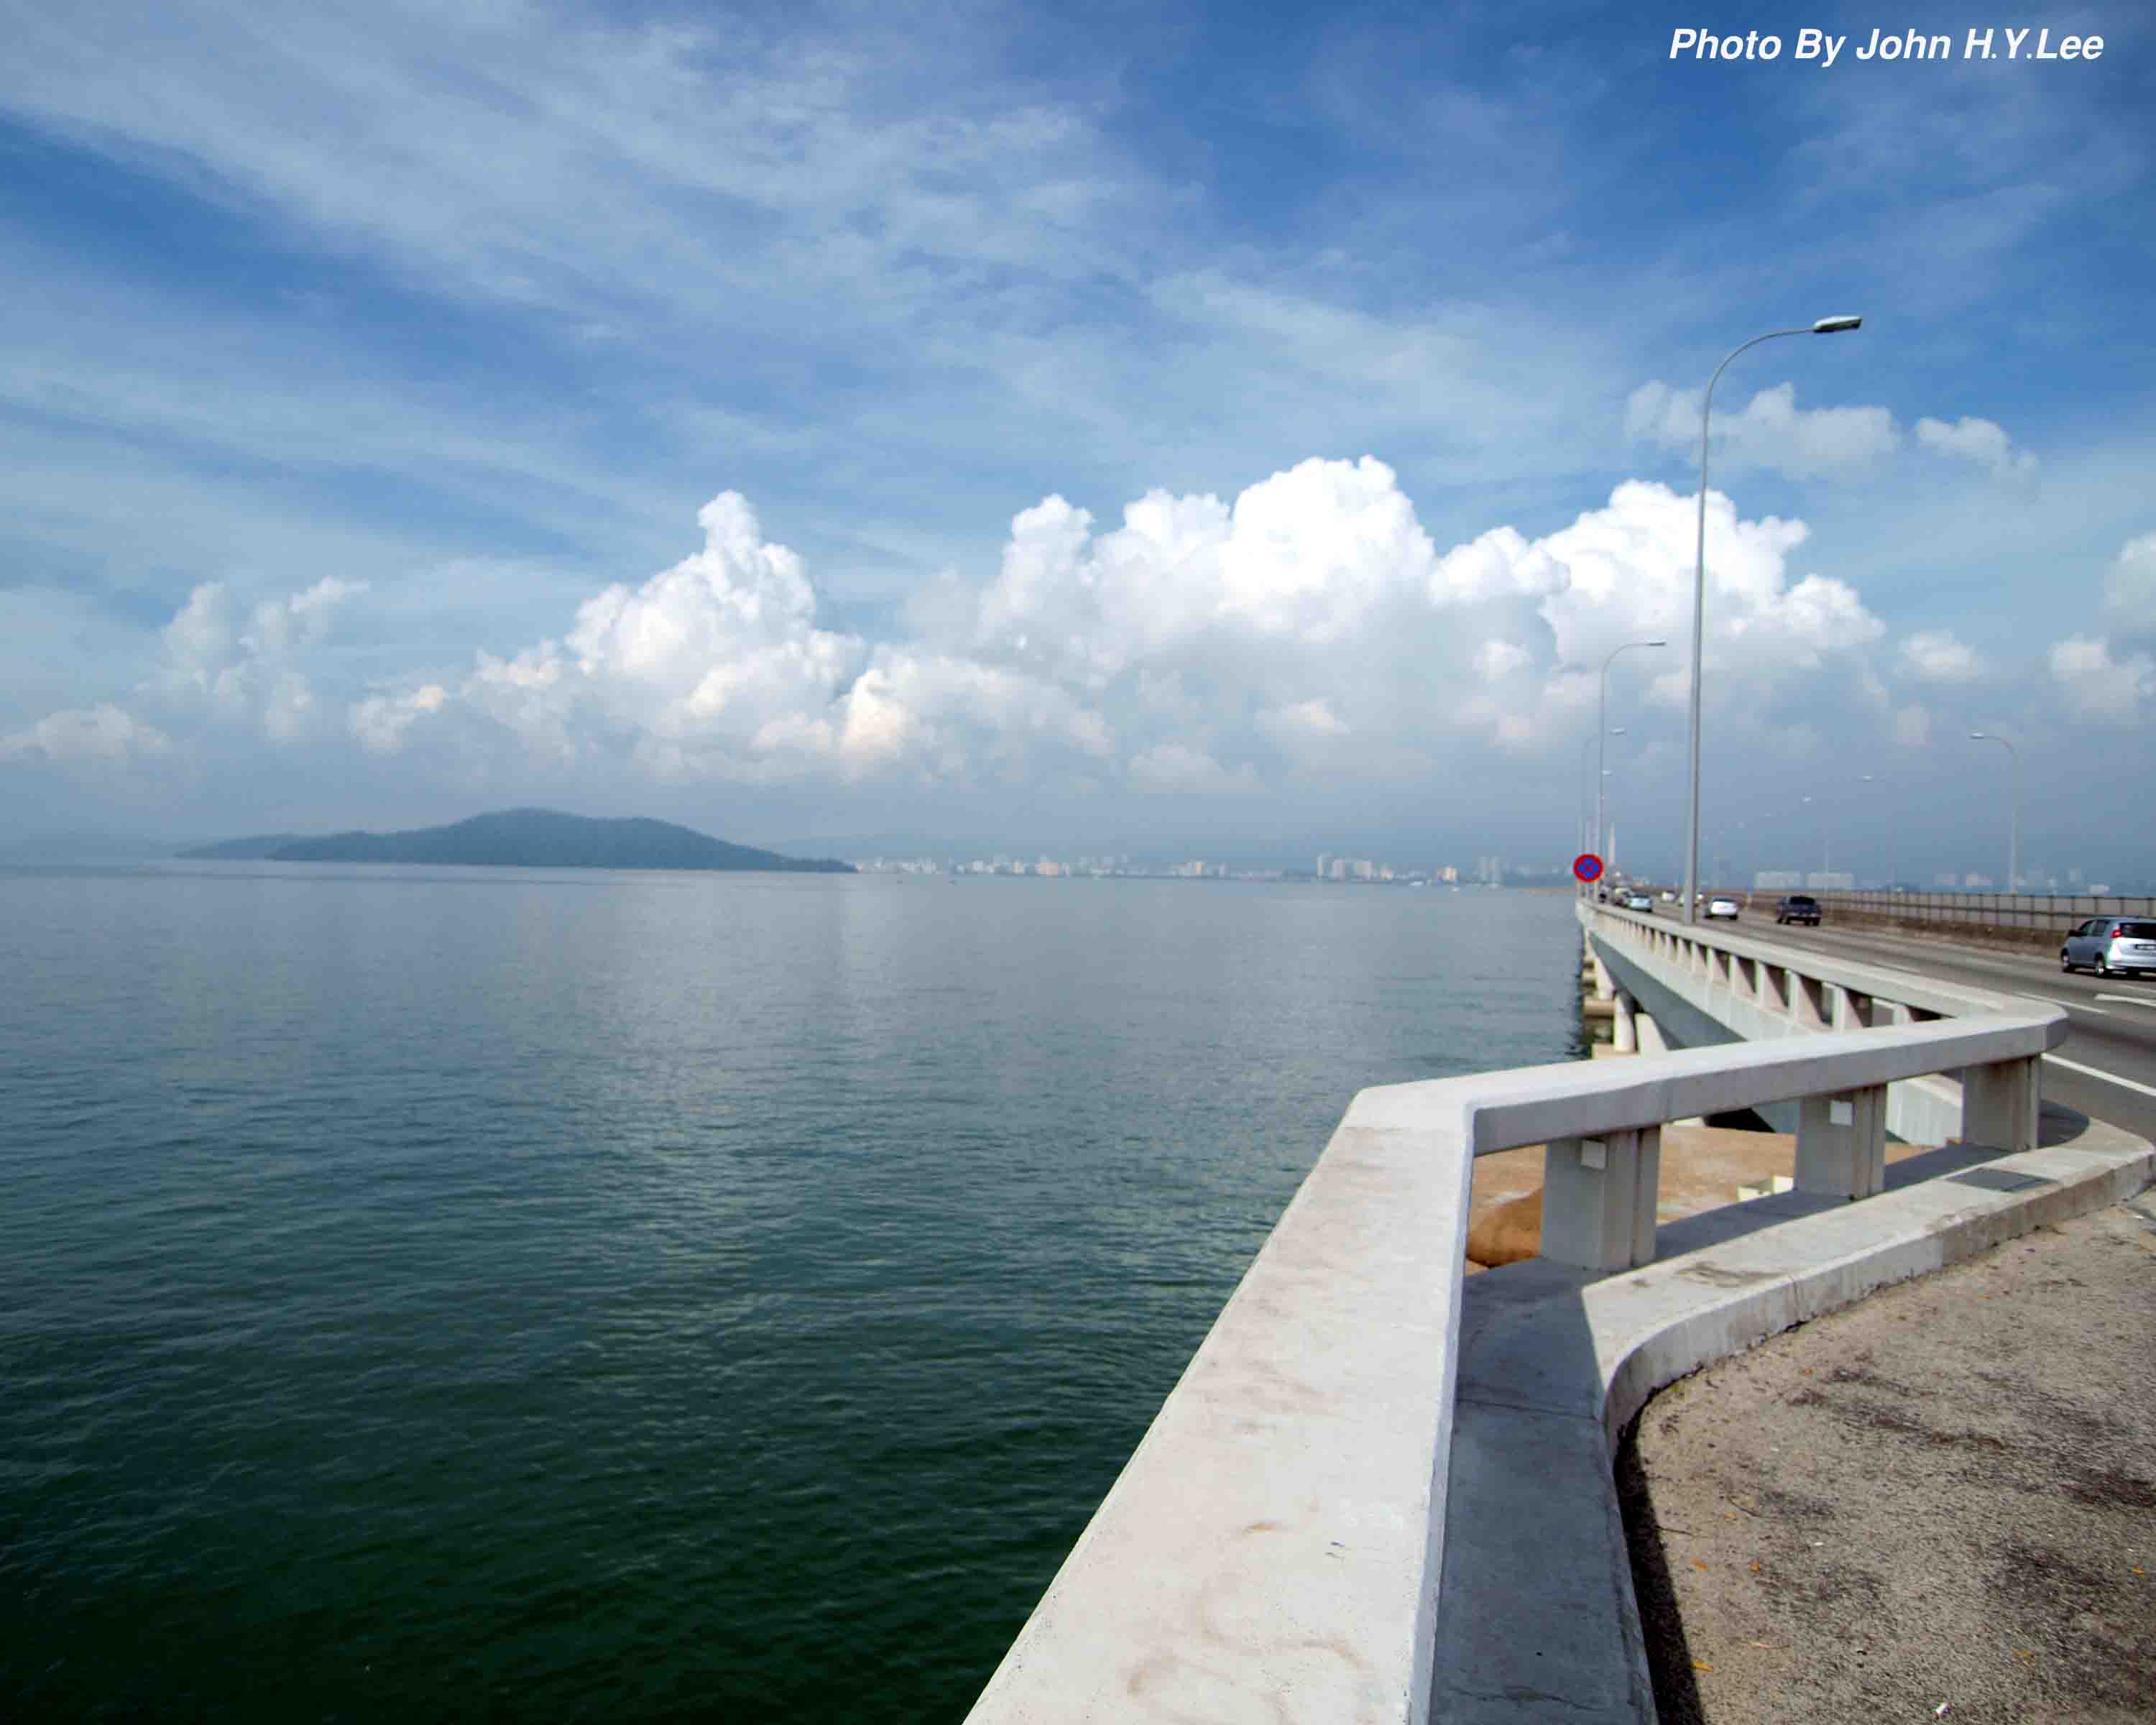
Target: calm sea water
(480, 1293)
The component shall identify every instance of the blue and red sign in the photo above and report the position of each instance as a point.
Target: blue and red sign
(1586, 865)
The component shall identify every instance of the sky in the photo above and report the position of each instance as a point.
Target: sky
(1233, 431)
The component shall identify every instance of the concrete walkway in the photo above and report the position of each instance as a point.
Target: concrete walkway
(1944, 1495)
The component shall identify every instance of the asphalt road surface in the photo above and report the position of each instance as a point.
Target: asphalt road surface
(2106, 1068)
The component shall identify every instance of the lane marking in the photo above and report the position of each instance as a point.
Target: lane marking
(2129, 1000)
(2146, 1090)
(2076, 1005)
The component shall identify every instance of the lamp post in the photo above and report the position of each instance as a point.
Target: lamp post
(1826, 841)
(1893, 845)
(2014, 826)
(1824, 327)
(1602, 722)
(1591, 801)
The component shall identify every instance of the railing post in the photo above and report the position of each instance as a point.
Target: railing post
(1599, 1197)
(1841, 1143)
(1999, 1105)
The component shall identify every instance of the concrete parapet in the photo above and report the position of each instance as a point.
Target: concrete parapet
(1555, 1362)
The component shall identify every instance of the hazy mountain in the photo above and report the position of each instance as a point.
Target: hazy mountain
(528, 838)
(244, 850)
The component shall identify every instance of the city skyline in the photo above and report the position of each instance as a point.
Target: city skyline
(839, 423)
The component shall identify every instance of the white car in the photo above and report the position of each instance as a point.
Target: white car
(1723, 907)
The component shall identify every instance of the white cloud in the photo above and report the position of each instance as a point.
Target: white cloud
(1769, 431)
(2130, 588)
(1307, 633)
(1981, 441)
(1496, 660)
(380, 721)
(1175, 768)
(1935, 656)
(707, 654)
(102, 736)
(1625, 573)
(2096, 685)
(245, 671)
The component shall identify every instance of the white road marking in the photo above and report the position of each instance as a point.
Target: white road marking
(2130, 1000)
(2076, 1006)
(2146, 1090)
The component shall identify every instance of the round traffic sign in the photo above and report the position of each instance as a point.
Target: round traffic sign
(1586, 865)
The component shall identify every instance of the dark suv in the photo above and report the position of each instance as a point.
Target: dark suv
(1797, 907)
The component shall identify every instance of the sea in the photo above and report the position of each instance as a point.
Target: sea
(549, 1295)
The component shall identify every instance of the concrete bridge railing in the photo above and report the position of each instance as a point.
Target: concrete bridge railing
(1679, 985)
(1275, 1547)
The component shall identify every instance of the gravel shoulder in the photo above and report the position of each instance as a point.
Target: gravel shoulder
(1945, 1495)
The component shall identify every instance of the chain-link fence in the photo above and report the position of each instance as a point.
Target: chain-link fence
(2036, 912)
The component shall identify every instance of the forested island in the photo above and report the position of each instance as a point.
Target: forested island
(523, 839)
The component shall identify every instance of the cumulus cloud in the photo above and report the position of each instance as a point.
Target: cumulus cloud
(241, 667)
(1496, 660)
(1304, 634)
(101, 736)
(1769, 431)
(380, 721)
(2130, 588)
(1981, 441)
(2096, 686)
(1625, 573)
(1175, 768)
(1935, 656)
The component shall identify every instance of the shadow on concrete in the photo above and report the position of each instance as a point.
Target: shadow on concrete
(1548, 1608)
(1535, 1617)
(1668, 1651)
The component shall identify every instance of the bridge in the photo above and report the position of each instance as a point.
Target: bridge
(1382, 1491)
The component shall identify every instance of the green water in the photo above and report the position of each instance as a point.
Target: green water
(472, 1293)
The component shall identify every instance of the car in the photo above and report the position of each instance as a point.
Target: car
(1725, 908)
(1640, 901)
(1797, 907)
(2111, 946)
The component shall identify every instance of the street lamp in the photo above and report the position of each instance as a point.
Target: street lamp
(1826, 842)
(1824, 327)
(1893, 844)
(1592, 801)
(2014, 828)
(1602, 716)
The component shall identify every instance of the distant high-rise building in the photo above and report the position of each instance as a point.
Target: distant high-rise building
(1324, 864)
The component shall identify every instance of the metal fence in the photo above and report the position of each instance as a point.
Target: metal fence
(2056, 912)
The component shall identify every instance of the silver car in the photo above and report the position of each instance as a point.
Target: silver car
(2110, 945)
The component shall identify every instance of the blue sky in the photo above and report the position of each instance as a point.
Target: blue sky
(367, 369)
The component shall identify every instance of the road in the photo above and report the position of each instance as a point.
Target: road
(2106, 1068)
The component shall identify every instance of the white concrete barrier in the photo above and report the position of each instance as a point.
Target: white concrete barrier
(1273, 1551)
(1706, 982)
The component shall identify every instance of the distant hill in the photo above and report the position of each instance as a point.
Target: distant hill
(244, 850)
(527, 839)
